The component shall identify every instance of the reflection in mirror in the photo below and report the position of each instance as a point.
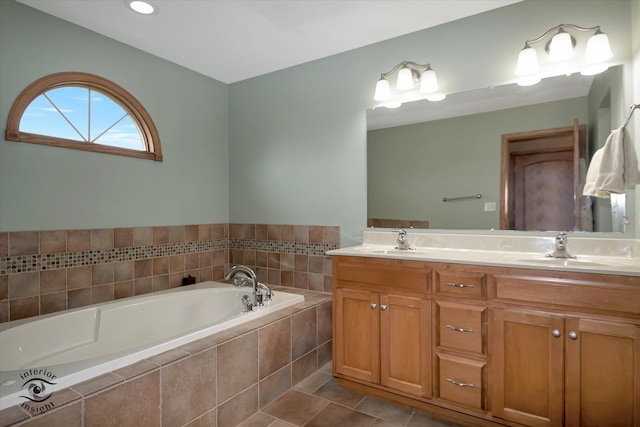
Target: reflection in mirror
(422, 152)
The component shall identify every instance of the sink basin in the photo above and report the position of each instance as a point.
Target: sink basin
(562, 262)
(389, 251)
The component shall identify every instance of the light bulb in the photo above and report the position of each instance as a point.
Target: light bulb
(142, 7)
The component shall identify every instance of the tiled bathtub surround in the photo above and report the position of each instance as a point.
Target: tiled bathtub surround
(218, 380)
(43, 272)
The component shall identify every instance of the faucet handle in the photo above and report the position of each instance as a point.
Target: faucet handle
(401, 233)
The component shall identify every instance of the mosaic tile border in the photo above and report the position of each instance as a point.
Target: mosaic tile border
(40, 262)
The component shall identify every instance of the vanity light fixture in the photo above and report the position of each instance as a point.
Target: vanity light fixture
(561, 48)
(141, 7)
(414, 81)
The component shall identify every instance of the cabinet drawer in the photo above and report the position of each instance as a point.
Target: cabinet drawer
(461, 380)
(382, 273)
(460, 326)
(460, 284)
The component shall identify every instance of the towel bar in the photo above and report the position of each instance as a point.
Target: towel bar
(448, 199)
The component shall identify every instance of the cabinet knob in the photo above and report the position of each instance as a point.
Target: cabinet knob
(383, 307)
(573, 335)
(373, 306)
(459, 384)
(555, 333)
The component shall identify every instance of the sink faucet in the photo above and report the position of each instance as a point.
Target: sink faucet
(403, 243)
(561, 247)
(250, 275)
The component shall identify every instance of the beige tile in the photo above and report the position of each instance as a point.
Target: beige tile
(316, 281)
(210, 419)
(122, 237)
(325, 353)
(274, 232)
(334, 415)
(205, 259)
(190, 233)
(385, 410)
(274, 346)
(257, 420)
(286, 233)
(102, 239)
(24, 285)
(237, 365)
(123, 289)
(160, 283)
(78, 240)
(135, 369)
(168, 357)
(98, 383)
(143, 268)
(4, 311)
(204, 232)
(316, 264)
(176, 234)
(79, 277)
(176, 264)
(303, 332)
(332, 235)
(316, 234)
(205, 274)
(275, 385)
(261, 232)
(123, 271)
(102, 293)
(79, 297)
(324, 322)
(68, 416)
(160, 235)
(23, 243)
(4, 244)
(101, 274)
(301, 233)
(344, 397)
(53, 241)
(54, 302)
(12, 415)
(190, 262)
(143, 236)
(160, 266)
(135, 403)
(273, 260)
(24, 307)
(53, 280)
(301, 263)
(219, 258)
(239, 408)
(295, 407)
(4, 287)
(189, 388)
(220, 231)
(313, 382)
(304, 367)
(301, 279)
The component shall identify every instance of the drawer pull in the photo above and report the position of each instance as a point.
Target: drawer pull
(454, 382)
(453, 328)
(460, 285)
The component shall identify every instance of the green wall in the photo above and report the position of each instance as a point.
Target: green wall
(287, 147)
(451, 158)
(45, 188)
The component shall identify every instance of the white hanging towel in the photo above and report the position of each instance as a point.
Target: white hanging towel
(613, 167)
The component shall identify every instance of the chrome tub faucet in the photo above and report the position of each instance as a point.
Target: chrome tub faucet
(241, 275)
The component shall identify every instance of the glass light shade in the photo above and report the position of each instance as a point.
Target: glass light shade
(529, 80)
(527, 62)
(590, 70)
(383, 91)
(429, 82)
(405, 79)
(561, 47)
(598, 49)
(435, 97)
(392, 104)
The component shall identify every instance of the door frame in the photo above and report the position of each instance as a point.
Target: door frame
(521, 143)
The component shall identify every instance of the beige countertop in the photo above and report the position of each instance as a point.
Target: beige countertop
(604, 256)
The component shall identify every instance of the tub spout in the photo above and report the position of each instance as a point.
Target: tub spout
(257, 294)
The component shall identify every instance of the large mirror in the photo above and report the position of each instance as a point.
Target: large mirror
(424, 152)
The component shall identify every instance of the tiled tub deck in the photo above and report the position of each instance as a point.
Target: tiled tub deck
(219, 380)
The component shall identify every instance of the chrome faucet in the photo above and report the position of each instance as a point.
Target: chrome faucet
(403, 243)
(561, 247)
(249, 275)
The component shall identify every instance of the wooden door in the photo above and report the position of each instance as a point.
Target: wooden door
(603, 374)
(540, 179)
(405, 326)
(357, 334)
(526, 367)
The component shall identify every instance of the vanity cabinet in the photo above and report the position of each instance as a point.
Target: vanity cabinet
(382, 325)
(490, 345)
(570, 356)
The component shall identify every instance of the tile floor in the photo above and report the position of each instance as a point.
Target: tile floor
(318, 402)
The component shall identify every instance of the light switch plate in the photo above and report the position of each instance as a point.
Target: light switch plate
(490, 206)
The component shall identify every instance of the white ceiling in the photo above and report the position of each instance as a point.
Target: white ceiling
(234, 40)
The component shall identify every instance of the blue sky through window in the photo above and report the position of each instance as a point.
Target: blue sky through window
(83, 115)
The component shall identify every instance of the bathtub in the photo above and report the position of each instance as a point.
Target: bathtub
(79, 344)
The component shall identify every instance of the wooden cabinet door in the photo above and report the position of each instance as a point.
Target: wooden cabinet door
(357, 334)
(526, 376)
(405, 326)
(603, 374)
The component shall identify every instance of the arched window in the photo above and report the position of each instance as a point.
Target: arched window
(83, 112)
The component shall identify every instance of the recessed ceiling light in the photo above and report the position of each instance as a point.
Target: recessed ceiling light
(142, 7)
